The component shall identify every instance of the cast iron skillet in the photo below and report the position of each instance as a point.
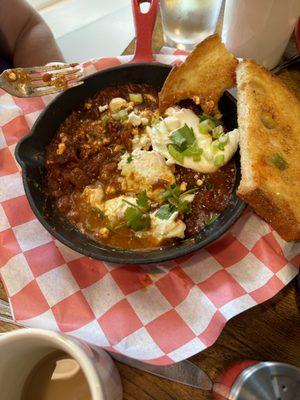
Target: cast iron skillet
(30, 153)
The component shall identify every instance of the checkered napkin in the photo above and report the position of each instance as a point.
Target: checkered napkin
(162, 313)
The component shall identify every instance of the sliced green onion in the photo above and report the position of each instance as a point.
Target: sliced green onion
(219, 160)
(197, 157)
(136, 98)
(120, 115)
(223, 138)
(215, 146)
(207, 154)
(217, 132)
(279, 162)
(215, 121)
(175, 153)
(162, 128)
(222, 142)
(205, 127)
(193, 151)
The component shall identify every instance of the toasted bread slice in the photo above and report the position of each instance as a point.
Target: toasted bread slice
(204, 76)
(269, 125)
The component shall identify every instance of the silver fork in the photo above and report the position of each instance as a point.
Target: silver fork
(39, 81)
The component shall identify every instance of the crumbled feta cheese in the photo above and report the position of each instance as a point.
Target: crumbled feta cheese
(117, 103)
(61, 148)
(93, 195)
(110, 189)
(172, 123)
(143, 171)
(134, 119)
(103, 108)
(150, 97)
(183, 186)
(166, 228)
(145, 121)
(114, 209)
(141, 142)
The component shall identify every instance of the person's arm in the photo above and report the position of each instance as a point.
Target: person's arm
(25, 38)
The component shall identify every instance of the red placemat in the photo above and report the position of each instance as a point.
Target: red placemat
(159, 313)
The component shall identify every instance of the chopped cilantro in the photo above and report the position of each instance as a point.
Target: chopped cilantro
(165, 211)
(278, 161)
(142, 200)
(129, 159)
(122, 151)
(172, 191)
(136, 219)
(183, 137)
(184, 206)
(174, 197)
(209, 220)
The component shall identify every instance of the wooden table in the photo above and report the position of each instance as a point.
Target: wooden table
(270, 331)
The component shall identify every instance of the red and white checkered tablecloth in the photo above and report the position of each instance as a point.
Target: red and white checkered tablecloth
(162, 313)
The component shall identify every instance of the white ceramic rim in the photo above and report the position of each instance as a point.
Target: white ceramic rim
(69, 347)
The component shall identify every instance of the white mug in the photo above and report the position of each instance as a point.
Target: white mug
(259, 29)
(22, 349)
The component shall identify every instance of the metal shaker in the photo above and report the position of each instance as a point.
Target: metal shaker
(259, 381)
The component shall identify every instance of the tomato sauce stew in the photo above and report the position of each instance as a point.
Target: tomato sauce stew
(104, 177)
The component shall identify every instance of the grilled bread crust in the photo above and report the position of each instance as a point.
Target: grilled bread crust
(269, 125)
(204, 76)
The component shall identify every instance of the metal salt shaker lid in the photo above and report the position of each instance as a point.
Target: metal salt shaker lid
(267, 381)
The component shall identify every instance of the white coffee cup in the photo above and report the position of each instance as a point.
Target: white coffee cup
(259, 29)
(22, 349)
